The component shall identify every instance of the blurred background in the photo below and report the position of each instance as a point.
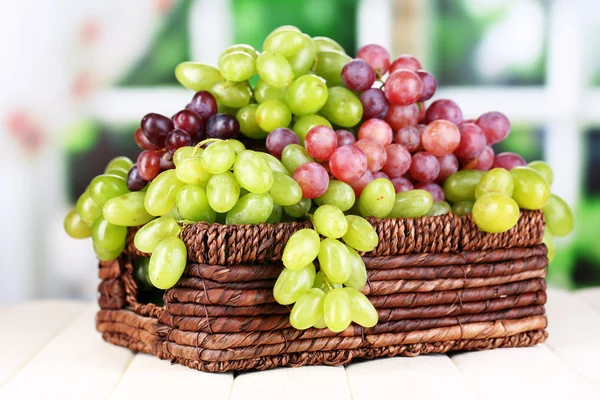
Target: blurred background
(77, 76)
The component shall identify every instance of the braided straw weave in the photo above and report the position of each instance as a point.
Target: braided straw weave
(438, 283)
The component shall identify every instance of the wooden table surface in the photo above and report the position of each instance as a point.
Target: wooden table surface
(51, 350)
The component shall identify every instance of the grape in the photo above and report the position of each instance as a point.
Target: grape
(197, 76)
(410, 138)
(444, 109)
(548, 240)
(440, 138)
(377, 199)
(484, 162)
(320, 142)
(161, 194)
(472, 141)
(237, 66)
(142, 141)
(108, 236)
(411, 204)
(559, 217)
(380, 174)
(166, 160)
(264, 92)
(278, 139)
(375, 152)
(274, 163)
(291, 284)
(232, 94)
(330, 221)
(508, 161)
(105, 187)
(176, 139)
(497, 180)
(222, 126)
(422, 112)
(120, 164)
(344, 137)
(135, 182)
(312, 178)
(140, 273)
(285, 190)
(250, 209)
(403, 87)
(495, 213)
(191, 171)
(237, 146)
(222, 191)
(363, 312)
(337, 310)
(253, 172)
(204, 104)
(87, 209)
(359, 185)
(424, 167)
(360, 235)
(304, 59)
(284, 42)
(334, 260)
(348, 163)
(439, 208)
(401, 184)
(154, 232)
(76, 227)
(543, 169)
(436, 191)
(306, 122)
(218, 157)
(192, 204)
(127, 210)
(274, 69)
(358, 271)
(375, 104)
(448, 166)
(399, 117)
(358, 75)
(167, 263)
(342, 108)
(246, 117)
(275, 214)
(376, 129)
(244, 48)
(495, 125)
(306, 95)
(405, 61)
(330, 64)
(462, 185)
(156, 127)
(326, 44)
(298, 210)
(429, 84)
(338, 194)
(531, 189)
(191, 123)
(377, 57)
(398, 160)
(293, 156)
(462, 207)
(308, 310)
(273, 114)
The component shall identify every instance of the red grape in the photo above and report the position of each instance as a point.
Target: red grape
(312, 178)
(222, 126)
(177, 138)
(278, 139)
(409, 137)
(360, 184)
(148, 164)
(448, 166)
(403, 87)
(440, 137)
(405, 61)
(166, 160)
(380, 174)
(424, 167)
(401, 184)
(398, 160)
(204, 104)
(375, 152)
(508, 161)
(436, 191)
(495, 125)
(402, 116)
(320, 142)
(135, 182)
(358, 75)
(444, 109)
(377, 57)
(142, 141)
(472, 141)
(376, 129)
(375, 104)
(483, 162)
(190, 122)
(345, 137)
(156, 127)
(429, 84)
(348, 163)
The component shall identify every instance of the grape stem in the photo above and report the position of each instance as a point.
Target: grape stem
(327, 282)
(202, 143)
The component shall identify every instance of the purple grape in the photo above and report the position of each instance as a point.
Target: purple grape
(222, 126)
(444, 109)
(345, 138)
(166, 161)
(358, 75)
(278, 139)
(177, 138)
(191, 122)
(204, 104)
(375, 104)
(429, 84)
(156, 127)
(135, 182)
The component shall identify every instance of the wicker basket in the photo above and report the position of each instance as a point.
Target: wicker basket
(438, 283)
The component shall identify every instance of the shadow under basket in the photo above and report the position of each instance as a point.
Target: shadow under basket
(438, 284)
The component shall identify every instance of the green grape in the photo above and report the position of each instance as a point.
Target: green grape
(285, 190)
(238, 146)
(329, 66)
(301, 249)
(285, 28)
(141, 273)
(192, 204)
(127, 210)
(232, 94)
(273, 114)
(548, 240)
(275, 215)
(342, 108)
(306, 95)
(308, 310)
(495, 213)
(246, 116)
(197, 76)
(330, 221)
(361, 235)
(323, 43)
(462, 184)
(291, 284)
(76, 227)
(358, 270)
(87, 208)
(108, 236)
(363, 312)
(223, 109)
(285, 42)
(105, 187)
(439, 208)
(464, 207)
(274, 163)
(154, 232)
(320, 283)
(264, 92)
(253, 172)
(236, 48)
(237, 66)
(305, 58)
(559, 217)
(337, 309)
(123, 163)
(543, 169)
(173, 213)
(497, 180)
(377, 198)
(222, 191)
(531, 189)
(334, 260)
(321, 323)
(108, 255)
(184, 152)
(274, 69)
(161, 194)
(298, 210)
(306, 122)
(250, 209)
(167, 262)
(293, 156)
(191, 172)
(338, 194)
(218, 158)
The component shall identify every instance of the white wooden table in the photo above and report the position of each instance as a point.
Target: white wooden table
(50, 350)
